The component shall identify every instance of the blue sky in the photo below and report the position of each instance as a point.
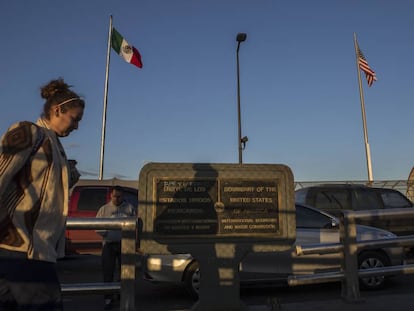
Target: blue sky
(298, 82)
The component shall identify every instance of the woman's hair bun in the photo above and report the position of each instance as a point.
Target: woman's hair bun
(54, 87)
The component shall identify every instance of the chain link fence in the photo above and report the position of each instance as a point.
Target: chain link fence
(404, 186)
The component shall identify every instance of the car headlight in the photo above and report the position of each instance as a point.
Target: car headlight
(178, 262)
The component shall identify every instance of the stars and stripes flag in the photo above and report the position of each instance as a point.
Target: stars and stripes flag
(363, 65)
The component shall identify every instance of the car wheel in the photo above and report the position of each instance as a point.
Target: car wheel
(372, 259)
(192, 279)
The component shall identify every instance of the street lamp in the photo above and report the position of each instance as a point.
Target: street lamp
(240, 141)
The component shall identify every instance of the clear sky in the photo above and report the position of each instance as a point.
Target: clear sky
(299, 91)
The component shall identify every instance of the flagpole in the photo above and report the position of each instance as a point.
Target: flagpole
(108, 54)
(364, 121)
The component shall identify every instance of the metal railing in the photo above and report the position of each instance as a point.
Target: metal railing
(126, 287)
(349, 248)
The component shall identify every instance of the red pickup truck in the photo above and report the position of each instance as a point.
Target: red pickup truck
(86, 197)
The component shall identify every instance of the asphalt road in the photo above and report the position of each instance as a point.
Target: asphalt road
(149, 297)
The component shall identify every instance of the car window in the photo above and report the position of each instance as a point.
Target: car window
(131, 196)
(332, 199)
(366, 199)
(394, 199)
(300, 195)
(91, 199)
(308, 218)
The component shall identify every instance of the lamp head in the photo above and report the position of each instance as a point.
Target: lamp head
(241, 36)
(243, 141)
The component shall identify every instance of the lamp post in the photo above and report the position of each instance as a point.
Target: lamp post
(241, 141)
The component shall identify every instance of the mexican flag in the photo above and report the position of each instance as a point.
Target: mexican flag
(126, 51)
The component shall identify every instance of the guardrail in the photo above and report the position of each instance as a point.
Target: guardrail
(349, 248)
(126, 287)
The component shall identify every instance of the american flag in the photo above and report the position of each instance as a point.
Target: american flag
(363, 65)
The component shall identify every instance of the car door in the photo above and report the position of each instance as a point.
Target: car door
(312, 227)
(84, 203)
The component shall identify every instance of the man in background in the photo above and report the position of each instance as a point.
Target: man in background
(111, 247)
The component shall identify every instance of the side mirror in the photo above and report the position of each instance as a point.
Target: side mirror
(333, 225)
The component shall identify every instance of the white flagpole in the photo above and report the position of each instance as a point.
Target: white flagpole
(105, 99)
(364, 121)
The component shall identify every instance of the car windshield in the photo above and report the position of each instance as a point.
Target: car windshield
(309, 218)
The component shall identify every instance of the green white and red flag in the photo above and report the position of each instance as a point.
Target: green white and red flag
(128, 52)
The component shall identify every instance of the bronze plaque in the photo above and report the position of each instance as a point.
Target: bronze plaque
(248, 206)
(192, 203)
(185, 207)
(216, 206)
